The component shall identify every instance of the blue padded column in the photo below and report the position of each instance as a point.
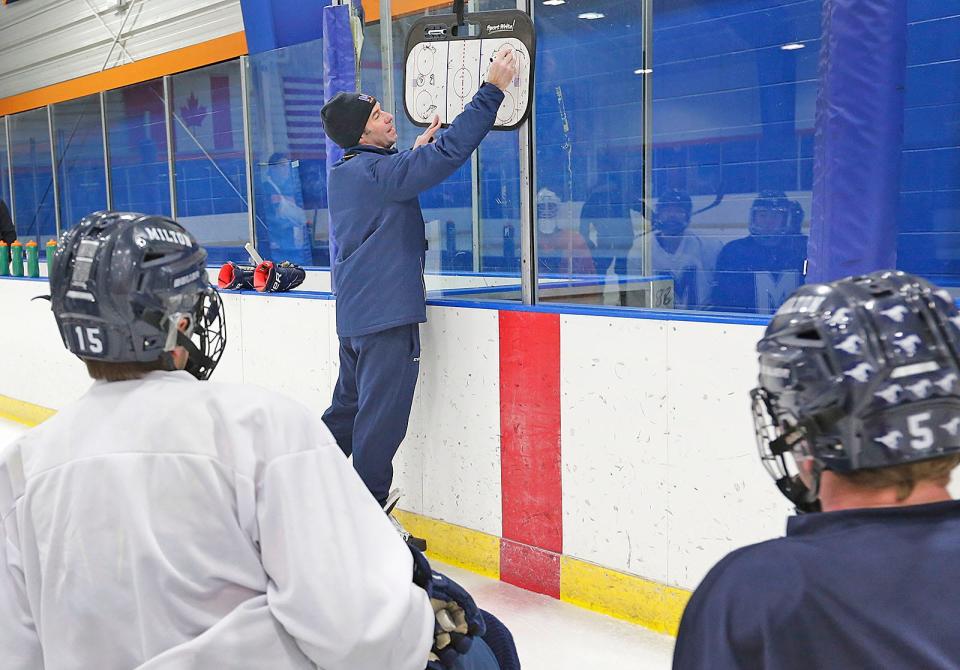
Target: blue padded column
(859, 137)
(272, 24)
(339, 74)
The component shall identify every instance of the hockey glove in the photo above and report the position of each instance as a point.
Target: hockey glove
(457, 620)
(273, 278)
(234, 277)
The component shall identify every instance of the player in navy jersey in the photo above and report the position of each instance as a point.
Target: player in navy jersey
(857, 416)
(756, 273)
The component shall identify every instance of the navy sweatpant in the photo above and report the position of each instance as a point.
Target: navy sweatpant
(372, 401)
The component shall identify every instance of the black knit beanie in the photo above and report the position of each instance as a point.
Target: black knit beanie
(345, 116)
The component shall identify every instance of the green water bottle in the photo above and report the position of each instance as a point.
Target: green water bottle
(4, 259)
(16, 255)
(33, 259)
(51, 250)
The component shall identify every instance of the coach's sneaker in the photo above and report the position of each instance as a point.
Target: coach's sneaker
(417, 543)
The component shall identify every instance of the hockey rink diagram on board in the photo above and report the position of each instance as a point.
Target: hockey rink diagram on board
(442, 74)
(442, 78)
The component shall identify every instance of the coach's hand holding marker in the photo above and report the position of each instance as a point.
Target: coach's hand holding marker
(503, 68)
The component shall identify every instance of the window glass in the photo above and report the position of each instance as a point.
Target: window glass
(210, 159)
(589, 134)
(78, 139)
(4, 166)
(473, 218)
(289, 150)
(928, 241)
(33, 177)
(734, 90)
(137, 134)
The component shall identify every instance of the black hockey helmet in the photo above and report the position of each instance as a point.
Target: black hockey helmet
(121, 283)
(773, 213)
(857, 374)
(673, 212)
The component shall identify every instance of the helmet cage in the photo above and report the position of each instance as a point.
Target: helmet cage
(207, 337)
(783, 211)
(782, 448)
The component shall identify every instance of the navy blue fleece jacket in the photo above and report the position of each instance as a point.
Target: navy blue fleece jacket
(378, 226)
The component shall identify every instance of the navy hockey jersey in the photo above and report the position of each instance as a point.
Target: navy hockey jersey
(757, 274)
(866, 588)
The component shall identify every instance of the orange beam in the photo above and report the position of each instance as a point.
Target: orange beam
(187, 58)
(371, 8)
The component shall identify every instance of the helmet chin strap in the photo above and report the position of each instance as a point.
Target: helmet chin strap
(198, 364)
(804, 499)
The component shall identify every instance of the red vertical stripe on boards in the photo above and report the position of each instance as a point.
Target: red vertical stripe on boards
(530, 568)
(530, 429)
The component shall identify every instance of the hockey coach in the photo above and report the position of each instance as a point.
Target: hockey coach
(377, 223)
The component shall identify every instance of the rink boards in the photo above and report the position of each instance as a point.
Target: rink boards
(606, 458)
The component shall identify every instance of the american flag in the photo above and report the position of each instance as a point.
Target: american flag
(302, 100)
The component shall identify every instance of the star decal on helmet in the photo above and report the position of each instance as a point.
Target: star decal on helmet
(840, 317)
(891, 440)
(851, 344)
(896, 313)
(946, 384)
(909, 344)
(891, 393)
(860, 373)
(952, 426)
(921, 388)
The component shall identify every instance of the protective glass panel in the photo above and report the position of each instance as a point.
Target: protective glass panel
(589, 133)
(210, 159)
(928, 240)
(78, 139)
(137, 135)
(734, 90)
(33, 177)
(473, 218)
(289, 154)
(4, 166)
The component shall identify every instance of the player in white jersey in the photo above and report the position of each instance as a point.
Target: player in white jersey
(160, 522)
(688, 258)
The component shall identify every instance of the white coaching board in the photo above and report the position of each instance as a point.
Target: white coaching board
(443, 71)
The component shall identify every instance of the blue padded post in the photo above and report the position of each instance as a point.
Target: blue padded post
(339, 74)
(272, 24)
(859, 137)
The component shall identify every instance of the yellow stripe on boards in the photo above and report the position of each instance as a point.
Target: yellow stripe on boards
(22, 412)
(456, 545)
(617, 594)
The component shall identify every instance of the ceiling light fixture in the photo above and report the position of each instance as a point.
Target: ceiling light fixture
(793, 46)
(554, 3)
(643, 71)
(591, 16)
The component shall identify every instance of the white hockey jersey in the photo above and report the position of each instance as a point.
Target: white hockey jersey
(170, 524)
(691, 267)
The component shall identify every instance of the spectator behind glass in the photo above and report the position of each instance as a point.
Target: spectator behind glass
(286, 221)
(606, 226)
(7, 232)
(561, 250)
(758, 272)
(688, 258)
